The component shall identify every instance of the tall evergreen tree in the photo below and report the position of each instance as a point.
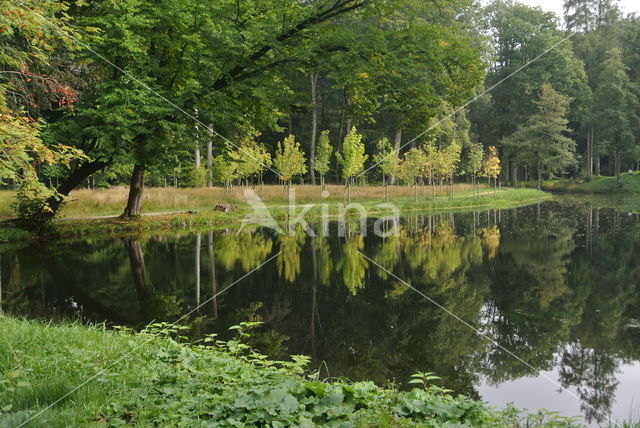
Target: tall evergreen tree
(616, 111)
(579, 15)
(541, 143)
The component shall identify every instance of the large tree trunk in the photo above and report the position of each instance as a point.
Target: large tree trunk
(134, 203)
(77, 177)
(314, 127)
(397, 143)
(597, 159)
(210, 157)
(139, 274)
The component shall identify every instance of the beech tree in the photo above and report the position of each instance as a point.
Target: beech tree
(323, 156)
(412, 168)
(289, 161)
(387, 161)
(224, 170)
(251, 159)
(352, 158)
(491, 165)
(166, 59)
(473, 161)
(30, 85)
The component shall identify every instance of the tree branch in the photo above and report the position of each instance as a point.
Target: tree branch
(339, 7)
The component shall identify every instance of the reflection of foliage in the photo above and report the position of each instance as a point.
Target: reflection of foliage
(505, 278)
(387, 255)
(490, 240)
(438, 254)
(247, 248)
(290, 248)
(352, 264)
(592, 372)
(397, 289)
(533, 309)
(325, 264)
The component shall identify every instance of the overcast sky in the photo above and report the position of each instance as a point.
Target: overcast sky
(556, 5)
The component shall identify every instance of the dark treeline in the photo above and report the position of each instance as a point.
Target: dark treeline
(193, 93)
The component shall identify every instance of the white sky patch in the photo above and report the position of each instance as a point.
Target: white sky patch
(627, 6)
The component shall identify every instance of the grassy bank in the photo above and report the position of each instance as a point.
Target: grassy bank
(100, 202)
(160, 382)
(627, 184)
(193, 207)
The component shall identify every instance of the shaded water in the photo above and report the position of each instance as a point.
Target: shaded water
(555, 284)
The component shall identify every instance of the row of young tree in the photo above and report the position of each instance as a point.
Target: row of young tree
(84, 101)
(425, 165)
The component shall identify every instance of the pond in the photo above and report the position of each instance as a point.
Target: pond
(542, 302)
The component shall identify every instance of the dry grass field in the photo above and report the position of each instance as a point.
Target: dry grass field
(84, 202)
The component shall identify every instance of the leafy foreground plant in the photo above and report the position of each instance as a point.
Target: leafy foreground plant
(166, 383)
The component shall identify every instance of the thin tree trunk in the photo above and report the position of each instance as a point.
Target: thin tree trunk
(589, 154)
(597, 159)
(197, 267)
(314, 127)
(212, 268)
(136, 188)
(0, 283)
(338, 148)
(210, 157)
(397, 143)
(196, 154)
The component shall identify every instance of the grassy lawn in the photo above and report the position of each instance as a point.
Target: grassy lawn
(87, 203)
(628, 184)
(205, 218)
(192, 209)
(148, 379)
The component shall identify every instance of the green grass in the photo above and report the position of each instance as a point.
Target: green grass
(164, 383)
(101, 202)
(627, 184)
(206, 217)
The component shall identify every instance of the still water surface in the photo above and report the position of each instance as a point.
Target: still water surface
(556, 284)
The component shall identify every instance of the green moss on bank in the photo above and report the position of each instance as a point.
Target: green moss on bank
(149, 379)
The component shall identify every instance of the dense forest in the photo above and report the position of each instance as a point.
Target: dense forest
(225, 92)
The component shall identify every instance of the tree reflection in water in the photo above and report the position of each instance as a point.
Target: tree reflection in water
(554, 284)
